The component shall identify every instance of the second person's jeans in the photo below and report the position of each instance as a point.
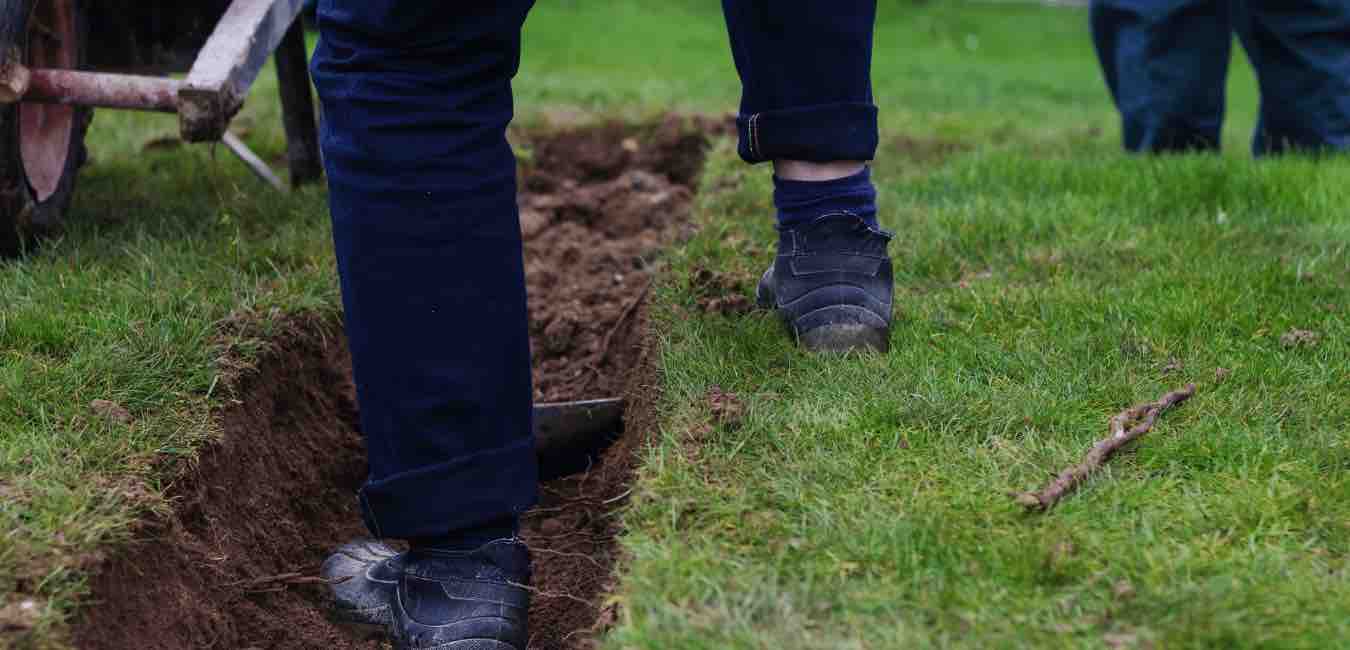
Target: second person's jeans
(1166, 62)
(422, 186)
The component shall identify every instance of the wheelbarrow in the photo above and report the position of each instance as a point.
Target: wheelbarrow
(60, 59)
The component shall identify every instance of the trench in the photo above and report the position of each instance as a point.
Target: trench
(275, 494)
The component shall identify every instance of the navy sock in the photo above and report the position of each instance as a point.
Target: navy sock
(470, 538)
(801, 202)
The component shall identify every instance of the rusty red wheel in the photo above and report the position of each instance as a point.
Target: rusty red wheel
(41, 145)
(45, 129)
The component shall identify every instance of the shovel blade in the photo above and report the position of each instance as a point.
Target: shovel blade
(570, 436)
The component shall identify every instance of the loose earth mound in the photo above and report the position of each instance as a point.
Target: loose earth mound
(233, 566)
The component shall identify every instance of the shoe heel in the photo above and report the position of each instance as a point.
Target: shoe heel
(845, 338)
(764, 298)
(843, 328)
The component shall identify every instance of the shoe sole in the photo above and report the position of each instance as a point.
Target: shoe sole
(845, 337)
(841, 328)
(466, 644)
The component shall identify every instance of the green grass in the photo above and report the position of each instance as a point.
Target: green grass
(862, 503)
(173, 260)
(1043, 281)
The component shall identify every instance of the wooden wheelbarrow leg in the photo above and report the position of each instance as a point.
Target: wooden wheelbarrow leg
(227, 64)
(297, 107)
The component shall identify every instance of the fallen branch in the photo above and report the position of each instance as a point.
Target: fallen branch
(1141, 416)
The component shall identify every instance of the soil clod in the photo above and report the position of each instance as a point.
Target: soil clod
(111, 411)
(19, 616)
(1296, 338)
(727, 408)
(720, 293)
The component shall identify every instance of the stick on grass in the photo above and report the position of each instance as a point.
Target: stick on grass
(1142, 416)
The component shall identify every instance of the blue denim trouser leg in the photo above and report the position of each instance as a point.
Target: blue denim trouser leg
(1165, 62)
(416, 98)
(805, 69)
(1301, 51)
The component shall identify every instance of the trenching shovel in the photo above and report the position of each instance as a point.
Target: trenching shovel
(569, 436)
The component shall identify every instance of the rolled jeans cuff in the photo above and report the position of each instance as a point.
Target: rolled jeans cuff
(436, 500)
(821, 133)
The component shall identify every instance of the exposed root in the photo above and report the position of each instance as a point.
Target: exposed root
(540, 593)
(279, 582)
(579, 556)
(1141, 416)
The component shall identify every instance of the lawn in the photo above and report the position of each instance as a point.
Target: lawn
(1044, 282)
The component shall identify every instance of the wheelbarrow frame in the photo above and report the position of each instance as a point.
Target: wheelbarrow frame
(214, 88)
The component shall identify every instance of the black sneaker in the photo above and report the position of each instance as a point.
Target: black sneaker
(363, 575)
(832, 284)
(471, 600)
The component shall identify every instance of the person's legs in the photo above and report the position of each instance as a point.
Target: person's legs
(806, 105)
(1165, 62)
(1301, 51)
(422, 185)
(416, 98)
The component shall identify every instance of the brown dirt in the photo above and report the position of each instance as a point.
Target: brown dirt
(596, 205)
(720, 293)
(726, 408)
(605, 200)
(274, 495)
(268, 498)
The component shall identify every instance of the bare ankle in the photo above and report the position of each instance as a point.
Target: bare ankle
(802, 170)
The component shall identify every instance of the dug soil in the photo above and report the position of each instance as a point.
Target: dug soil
(233, 566)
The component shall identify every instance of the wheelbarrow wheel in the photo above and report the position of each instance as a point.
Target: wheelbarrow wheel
(41, 145)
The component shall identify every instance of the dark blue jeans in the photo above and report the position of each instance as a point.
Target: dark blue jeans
(1165, 62)
(422, 187)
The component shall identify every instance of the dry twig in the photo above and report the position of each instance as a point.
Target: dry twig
(1141, 416)
(627, 312)
(606, 342)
